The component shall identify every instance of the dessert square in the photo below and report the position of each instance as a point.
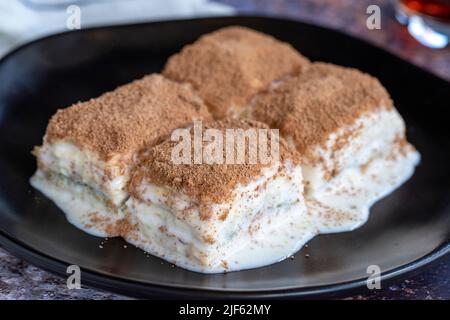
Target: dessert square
(218, 217)
(229, 66)
(91, 148)
(351, 139)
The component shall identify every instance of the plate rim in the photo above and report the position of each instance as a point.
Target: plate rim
(139, 289)
(135, 288)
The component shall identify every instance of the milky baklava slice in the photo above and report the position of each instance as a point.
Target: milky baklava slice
(229, 66)
(218, 217)
(91, 148)
(351, 139)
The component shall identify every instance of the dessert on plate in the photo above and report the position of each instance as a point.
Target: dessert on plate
(219, 217)
(351, 138)
(90, 149)
(116, 164)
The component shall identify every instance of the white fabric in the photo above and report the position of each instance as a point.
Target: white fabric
(24, 20)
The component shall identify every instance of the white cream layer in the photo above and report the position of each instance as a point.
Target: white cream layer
(371, 164)
(370, 137)
(343, 204)
(85, 167)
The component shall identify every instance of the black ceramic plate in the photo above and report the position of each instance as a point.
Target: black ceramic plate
(406, 231)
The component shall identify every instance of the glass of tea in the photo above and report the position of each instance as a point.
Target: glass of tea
(428, 20)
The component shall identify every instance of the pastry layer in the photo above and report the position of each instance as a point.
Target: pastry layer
(108, 178)
(83, 206)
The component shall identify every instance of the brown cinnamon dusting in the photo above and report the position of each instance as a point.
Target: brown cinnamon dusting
(401, 147)
(229, 66)
(130, 118)
(322, 99)
(224, 264)
(206, 183)
(119, 228)
(209, 239)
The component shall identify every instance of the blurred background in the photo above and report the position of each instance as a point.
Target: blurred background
(416, 30)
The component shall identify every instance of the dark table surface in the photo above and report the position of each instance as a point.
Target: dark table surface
(19, 280)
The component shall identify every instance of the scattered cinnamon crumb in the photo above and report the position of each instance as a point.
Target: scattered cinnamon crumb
(119, 228)
(224, 264)
(209, 239)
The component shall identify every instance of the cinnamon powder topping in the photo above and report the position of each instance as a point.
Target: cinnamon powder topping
(131, 117)
(322, 99)
(229, 66)
(207, 183)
